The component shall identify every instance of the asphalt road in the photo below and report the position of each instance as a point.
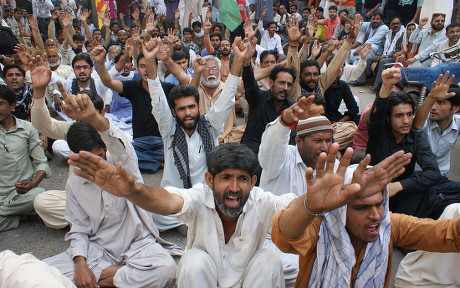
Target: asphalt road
(35, 238)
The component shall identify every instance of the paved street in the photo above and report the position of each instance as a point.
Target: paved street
(35, 238)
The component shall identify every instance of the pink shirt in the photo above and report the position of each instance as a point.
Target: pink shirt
(361, 134)
(331, 25)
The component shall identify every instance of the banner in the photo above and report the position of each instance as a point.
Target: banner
(229, 13)
(100, 8)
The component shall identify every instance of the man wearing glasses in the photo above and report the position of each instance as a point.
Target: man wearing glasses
(429, 39)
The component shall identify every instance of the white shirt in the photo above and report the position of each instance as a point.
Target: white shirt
(112, 222)
(103, 91)
(283, 170)
(196, 153)
(41, 8)
(270, 43)
(441, 145)
(443, 46)
(205, 230)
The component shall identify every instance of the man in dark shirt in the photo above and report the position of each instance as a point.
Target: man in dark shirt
(265, 106)
(334, 94)
(390, 130)
(146, 136)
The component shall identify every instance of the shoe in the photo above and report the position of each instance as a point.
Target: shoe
(356, 83)
(372, 88)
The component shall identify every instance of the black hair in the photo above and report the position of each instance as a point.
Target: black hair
(270, 23)
(279, 69)
(377, 13)
(397, 98)
(265, 53)
(332, 7)
(178, 55)
(320, 9)
(12, 66)
(78, 37)
(196, 23)
(83, 56)
(454, 100)
(395, 17)
(83, 137)
(217, 25)
(216, 34)
(398, 85)
(294, 5)
(308, 63)
(232, 156)
(183, 91)
(187, 29)
(113, 23)
(452, 25)
(8, 94)
(97, 29)
(306, 8)
(343, 10)
(97, 100)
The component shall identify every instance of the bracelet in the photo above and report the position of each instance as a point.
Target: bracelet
(327, 49)
(284, 123)
(294, 45)
(309, 212)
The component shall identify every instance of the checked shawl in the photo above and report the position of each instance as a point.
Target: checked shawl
(180, 148)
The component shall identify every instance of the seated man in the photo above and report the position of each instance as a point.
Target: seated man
(344, 234)
(228, 217)
(97, 254)
(24, 164)
(389, 127)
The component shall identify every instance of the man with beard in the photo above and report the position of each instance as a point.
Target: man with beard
(330, 22)
(180, 47)
(452, 42)
(214, 40)
(374, 33)
(389, 127)
(343, 16)
(228, 216)
(14, 76)
(429, 39)
(82, 65)
(189, 137)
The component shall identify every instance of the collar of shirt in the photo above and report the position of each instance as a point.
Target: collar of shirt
(453, 126)
(19, 125)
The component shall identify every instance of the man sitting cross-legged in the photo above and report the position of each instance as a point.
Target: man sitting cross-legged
(112, 241)
(228, 217)
(344, 234)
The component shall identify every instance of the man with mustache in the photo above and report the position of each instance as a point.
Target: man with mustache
(452, 42)
(429, 39)
(188, 135)
(390, 130)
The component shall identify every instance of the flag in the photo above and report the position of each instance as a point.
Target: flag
(100, 8)
(229, 13)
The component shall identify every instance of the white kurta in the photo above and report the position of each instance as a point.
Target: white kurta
(206, 232)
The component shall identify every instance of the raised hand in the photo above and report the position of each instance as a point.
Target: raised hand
(366, 50)
(163, 53)
(198, 65)
(239, 47)
(33, 23)
(136, 14)
(249, 32)
(151, 48)
(391, 76)
(149, 24)
(294, 33)
(177, 14)
(170, 37)
(84, 15)
(98, 54)
(39, 72)
(54, 16)
(301, 110)
(66, 19)
(423, 22)
(113, 179)
(207, 25)
(23, 53)
(374, 179)
(78, 107)
(441, 86)
(327, 191)
(354, 31)
(262, 14)
(315, 49)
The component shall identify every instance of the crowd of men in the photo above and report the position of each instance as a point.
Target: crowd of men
(270, 167)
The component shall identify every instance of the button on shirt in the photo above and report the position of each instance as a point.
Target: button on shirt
(268, 43)
(442, 144)
(207, 233)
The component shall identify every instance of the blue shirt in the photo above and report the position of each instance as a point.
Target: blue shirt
(173, 80)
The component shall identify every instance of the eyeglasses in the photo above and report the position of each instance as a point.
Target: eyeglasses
(214, 69)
